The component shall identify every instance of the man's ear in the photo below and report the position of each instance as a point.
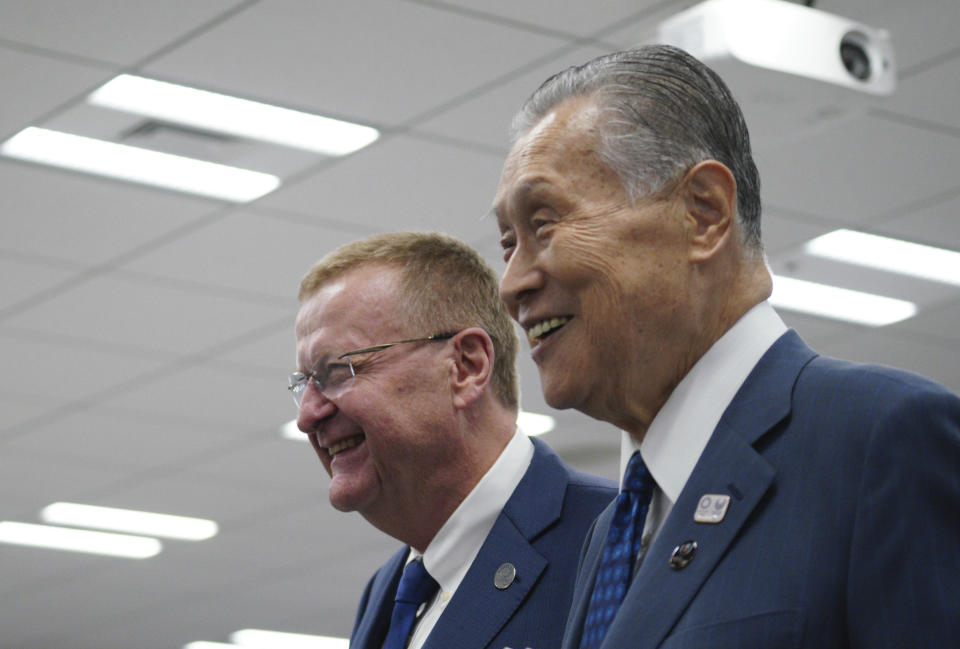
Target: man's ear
(473, 365)
(709, 193)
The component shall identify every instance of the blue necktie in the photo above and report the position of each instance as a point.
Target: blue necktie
(416, 587)
(620, 552)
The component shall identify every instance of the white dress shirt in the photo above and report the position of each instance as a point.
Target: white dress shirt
(681, 429)
(452, 551)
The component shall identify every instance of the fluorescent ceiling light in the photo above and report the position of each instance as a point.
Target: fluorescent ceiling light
(260, 639)
(885, 253)
(71, 540)
(530, 423)
(839, 303)
(129, 520)
(138, 165)
(533, 424)
(225, 114)
(290, 431)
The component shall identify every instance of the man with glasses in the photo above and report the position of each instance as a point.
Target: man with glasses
(407, 389)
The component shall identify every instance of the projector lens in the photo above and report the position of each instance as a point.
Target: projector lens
(854, 55)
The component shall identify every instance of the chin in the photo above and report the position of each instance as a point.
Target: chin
(560, 397)
(348, 497)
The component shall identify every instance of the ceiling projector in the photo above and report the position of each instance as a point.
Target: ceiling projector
(787, 64)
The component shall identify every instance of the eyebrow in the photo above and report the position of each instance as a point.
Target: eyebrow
(521, 193)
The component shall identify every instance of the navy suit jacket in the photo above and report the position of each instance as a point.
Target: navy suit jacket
(540, 531)
(843, 529)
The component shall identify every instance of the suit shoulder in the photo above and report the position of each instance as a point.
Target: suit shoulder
(882, 384)
(589, 482)
(589, 488)
(882, 407)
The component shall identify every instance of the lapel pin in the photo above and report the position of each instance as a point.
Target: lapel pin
(504, 576)
(683, 555)
(711, 508)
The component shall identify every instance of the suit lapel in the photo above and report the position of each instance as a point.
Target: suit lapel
(479, 609)
(586, 574)
(372, 627)
(729, 465)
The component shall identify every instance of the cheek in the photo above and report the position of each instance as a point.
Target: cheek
(586, 262)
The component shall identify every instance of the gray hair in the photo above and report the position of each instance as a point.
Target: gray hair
(662, 111)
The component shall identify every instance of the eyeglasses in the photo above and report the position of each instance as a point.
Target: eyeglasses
(331, 377)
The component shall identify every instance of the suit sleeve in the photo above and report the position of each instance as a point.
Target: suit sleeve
(904, 563)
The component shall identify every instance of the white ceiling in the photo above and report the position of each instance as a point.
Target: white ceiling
(147, 335)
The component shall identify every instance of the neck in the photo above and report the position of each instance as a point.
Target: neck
(717, 306)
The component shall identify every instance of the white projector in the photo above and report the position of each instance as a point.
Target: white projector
(788, 65)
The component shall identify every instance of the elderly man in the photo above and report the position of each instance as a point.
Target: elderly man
(407, 390)
(778, 498)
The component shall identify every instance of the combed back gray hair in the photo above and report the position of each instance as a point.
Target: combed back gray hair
(662, 111)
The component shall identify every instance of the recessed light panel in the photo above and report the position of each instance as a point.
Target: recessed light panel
(839, 303)
(530, 423)
(129, 520)
(886, 253)
(72, 540)
(533, 424)
(261, 639)
(134, 164)
(225, 114)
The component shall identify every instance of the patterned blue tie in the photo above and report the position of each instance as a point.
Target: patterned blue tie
(416, 587)
(620, 552)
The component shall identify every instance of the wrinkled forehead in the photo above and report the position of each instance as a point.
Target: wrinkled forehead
(561, 148)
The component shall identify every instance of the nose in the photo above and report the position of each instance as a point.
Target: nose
(314, 409)
(520, 280)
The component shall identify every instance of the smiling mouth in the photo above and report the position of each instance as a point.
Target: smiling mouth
(543, 329)
(346, 443)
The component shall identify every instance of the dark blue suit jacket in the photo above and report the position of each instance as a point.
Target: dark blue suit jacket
(843, 529)
(540, 531)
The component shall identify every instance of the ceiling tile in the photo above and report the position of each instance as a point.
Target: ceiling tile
(402, 184)
(34, 480)
(293, 464)
(937, 223)
(23, 278)
(582, 19)
(141, 442)
(643, 29)
(246, 251)
(859, 169)
(85, 219)
(486, 119)
(18, 408)
(72, 371)
(205, 393)
(120, 32)
(782, 231)
(921, 95)
(819, 331)
(938, 325)
(937, 362)
(272, 353)
(374, 62)
(34, 85)
(145, 316)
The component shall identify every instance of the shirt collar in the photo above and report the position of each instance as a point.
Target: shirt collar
(453, 549)
(683, 426)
